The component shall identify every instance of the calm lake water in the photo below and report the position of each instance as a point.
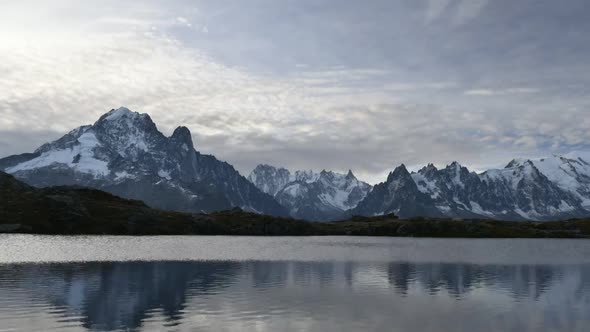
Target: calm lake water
(292, 284)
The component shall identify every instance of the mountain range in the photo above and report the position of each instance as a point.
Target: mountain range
(308, 195)
(551, 188)
(71, 210)
(125, 154)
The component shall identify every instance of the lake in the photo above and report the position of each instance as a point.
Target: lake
(223, 283)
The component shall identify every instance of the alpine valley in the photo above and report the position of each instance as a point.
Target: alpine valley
(125, 154)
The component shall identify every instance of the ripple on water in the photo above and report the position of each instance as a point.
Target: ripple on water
(372, 284)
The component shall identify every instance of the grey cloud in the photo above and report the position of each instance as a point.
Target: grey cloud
(21, 141)
(373, 141)
(307, 84)
(492, 92)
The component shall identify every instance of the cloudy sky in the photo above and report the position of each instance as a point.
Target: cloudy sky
(332, 84)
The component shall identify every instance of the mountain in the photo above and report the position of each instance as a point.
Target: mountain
(551, 188)
(123, 153)
(399, 195)
(65, 210)
(309, 195)
(78, 210)
(270, 179)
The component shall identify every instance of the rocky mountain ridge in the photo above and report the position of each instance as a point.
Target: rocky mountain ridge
(551, 188)
(125, 154)
(309, 195)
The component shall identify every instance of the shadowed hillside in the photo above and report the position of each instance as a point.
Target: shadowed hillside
(74, 210)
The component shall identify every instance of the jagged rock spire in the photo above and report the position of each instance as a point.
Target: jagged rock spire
(350, 175)
(182, 135)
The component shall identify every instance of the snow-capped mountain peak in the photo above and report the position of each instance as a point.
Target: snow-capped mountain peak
(270, 179)
(124, 153)
(583, 156)
(556, 187)
(309, 195)
(516, 162)
(76, 152)
(308, 176)
(122, 113)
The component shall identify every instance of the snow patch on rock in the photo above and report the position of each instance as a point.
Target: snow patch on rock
(164, 174)
(80, 158)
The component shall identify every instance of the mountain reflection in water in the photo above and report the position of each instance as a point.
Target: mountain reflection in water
(320, 296)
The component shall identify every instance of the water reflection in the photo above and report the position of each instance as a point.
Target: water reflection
(325, 296)
(110, 296)
(519, 280)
